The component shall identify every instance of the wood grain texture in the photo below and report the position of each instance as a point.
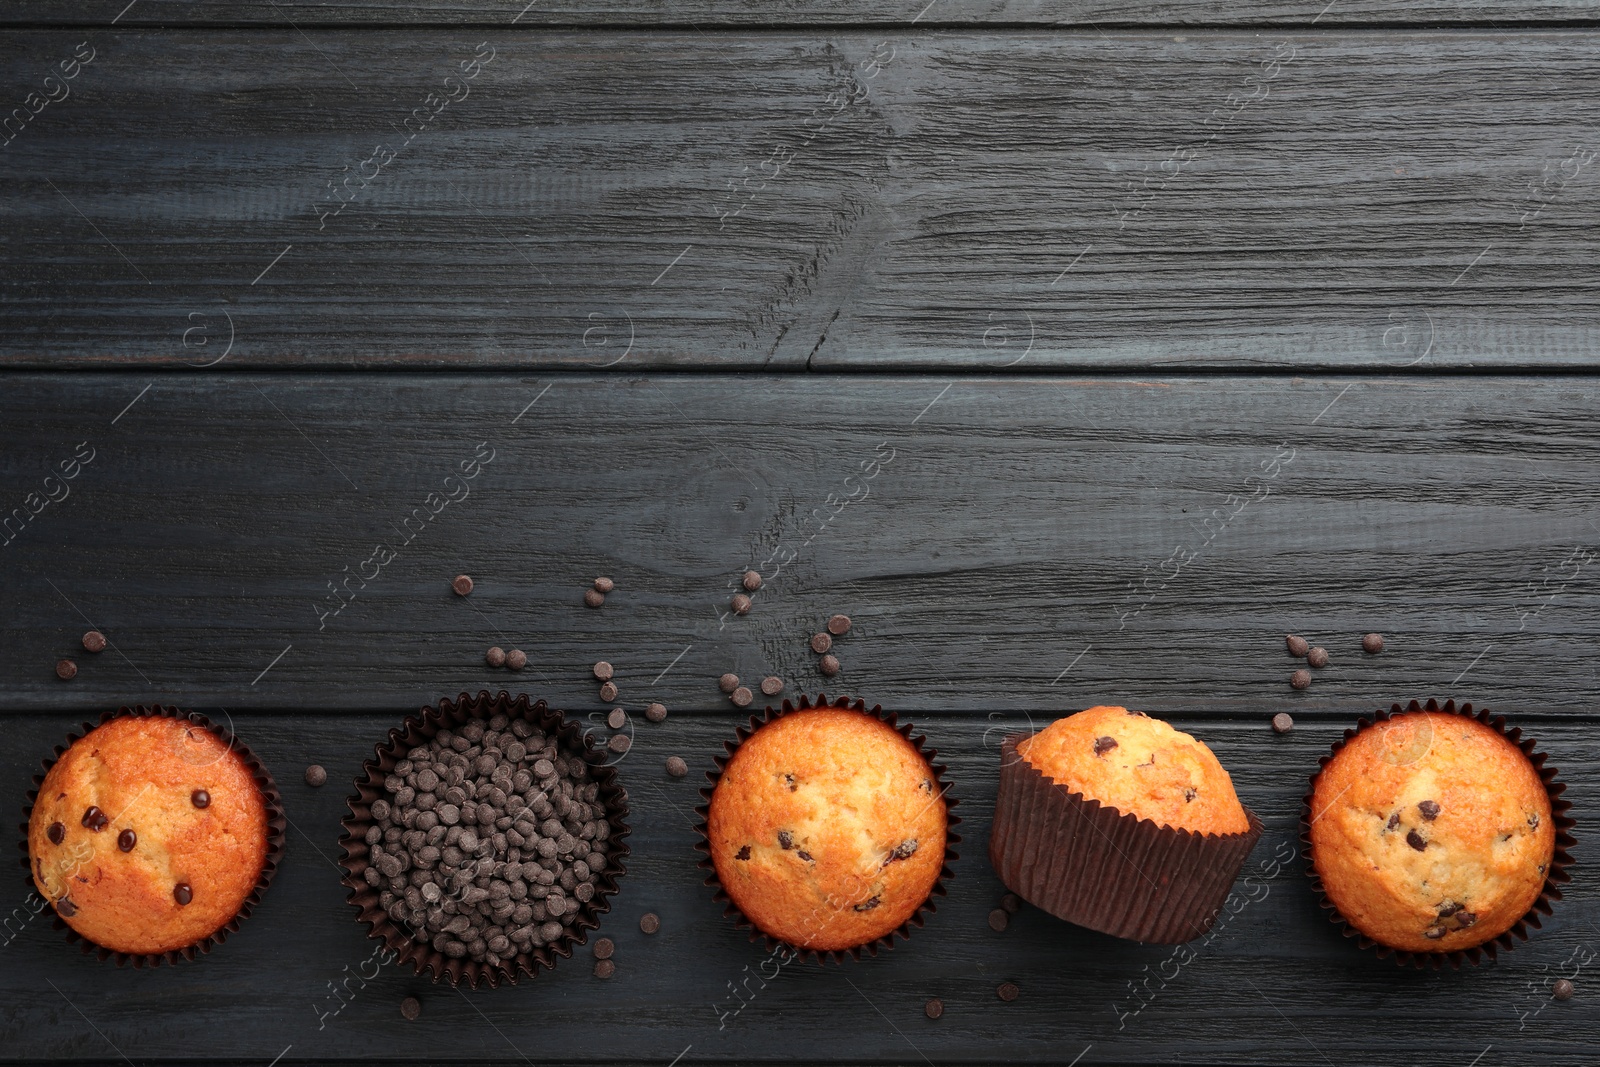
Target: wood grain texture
(910, 199)
(1013, 543)
(265, 993)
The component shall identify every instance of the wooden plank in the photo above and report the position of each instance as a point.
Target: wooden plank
(1035, 543)
(1276, 982)
(905, 199)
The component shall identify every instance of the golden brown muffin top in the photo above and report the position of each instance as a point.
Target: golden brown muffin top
(827, 828)
(118, 828)
(1138, 765)
(1431, 832)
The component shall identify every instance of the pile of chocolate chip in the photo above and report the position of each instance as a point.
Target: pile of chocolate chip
(492, 841)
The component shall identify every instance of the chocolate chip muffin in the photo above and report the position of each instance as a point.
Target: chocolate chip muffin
(1431, 832)
(827, 828)
(148, 834)
(1138, 765)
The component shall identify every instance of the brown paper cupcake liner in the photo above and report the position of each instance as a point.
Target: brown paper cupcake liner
(276, 826)
(887, 941)
(1557, 874)
(420, 728)
(1104, 869)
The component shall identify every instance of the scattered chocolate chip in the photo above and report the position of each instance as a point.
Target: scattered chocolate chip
(603, 948)
(616, 718)
(1372, 643)
(182, 893)
(741, 697)
(999, 919)
(839, 625)
(603, 671)
(593, 599)
(619, 743)
(66, 670)
(771, 685)
(462, 585)
(1394, 820)
(1282, 722)
(1300, 679)
(316, 776)
(94, 641)
(495, 657)
(1007, 991)
(95, 819)
(728, 682)
(56, 833)
(820, 643)
(604, 585)
(1415, 840)
(829, 665)
(934, 1008)
(126, 840)
(1317, 657)
(1562, 989)
(516, 659)
(1011, 902)
(411, 1008)
(740, 604)
(751, 581)
(66, 908)
(1298, 646)
(200, 798)
(676, 766)
(649, 922)
(1429, 809)
(656, 712)
(608, 691)
(1102, 745)
(604, 968)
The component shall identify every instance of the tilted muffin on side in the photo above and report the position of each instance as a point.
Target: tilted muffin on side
(148, 834)
(1139, 765)
(827, 828)
(1431, 832)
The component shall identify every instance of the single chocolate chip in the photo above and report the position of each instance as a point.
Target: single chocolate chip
(785, 839)
(903, 851)
(604, 585)
(94, 641)
(656, 712)
(316, 775)
(751, 581)
(1317, 657)
(740, 604)
(934, 1008)
(1011, 902)
(743, 853)
(608, 691)
(126, 840)
(1562, 989)
(728, 682)
(999, 919)
(771, 685)
(1394, 820)
(676, 766)
(603, 671)
(619, 743)
(1102, 745)
(516, 659)
(649, 922)
(829, 665)
(495, 657)
(1372, 643)
(1189, 795)
(741, 697)
(1447, 910)
(55, 833)
(1007, 991)
(604, 969)
(1434, 933)
(462, 585)
(1467, 918)
(411, 1008)
(1298, 646)
(95, 819)
(200, 798)
(869, 904)
(616, 718)
(603, 948)
(803, 854)
(1282, 722)
(66, 670)
(820, 643)
(1533, 820)
(593, 599)
(66, 908)
(1415, 840)
(839, 625)
(1300, 679)
(182, 893)
(1429, 809)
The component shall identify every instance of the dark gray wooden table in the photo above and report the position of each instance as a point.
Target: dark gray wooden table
(1078, 351)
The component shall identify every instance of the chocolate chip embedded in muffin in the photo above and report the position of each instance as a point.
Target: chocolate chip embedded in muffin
(1429, 809)
(1394, 820)
(785, 840)
(1102, 745)
(1415, 840)
(1298, 646)
(743, 853)
(904, 850)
